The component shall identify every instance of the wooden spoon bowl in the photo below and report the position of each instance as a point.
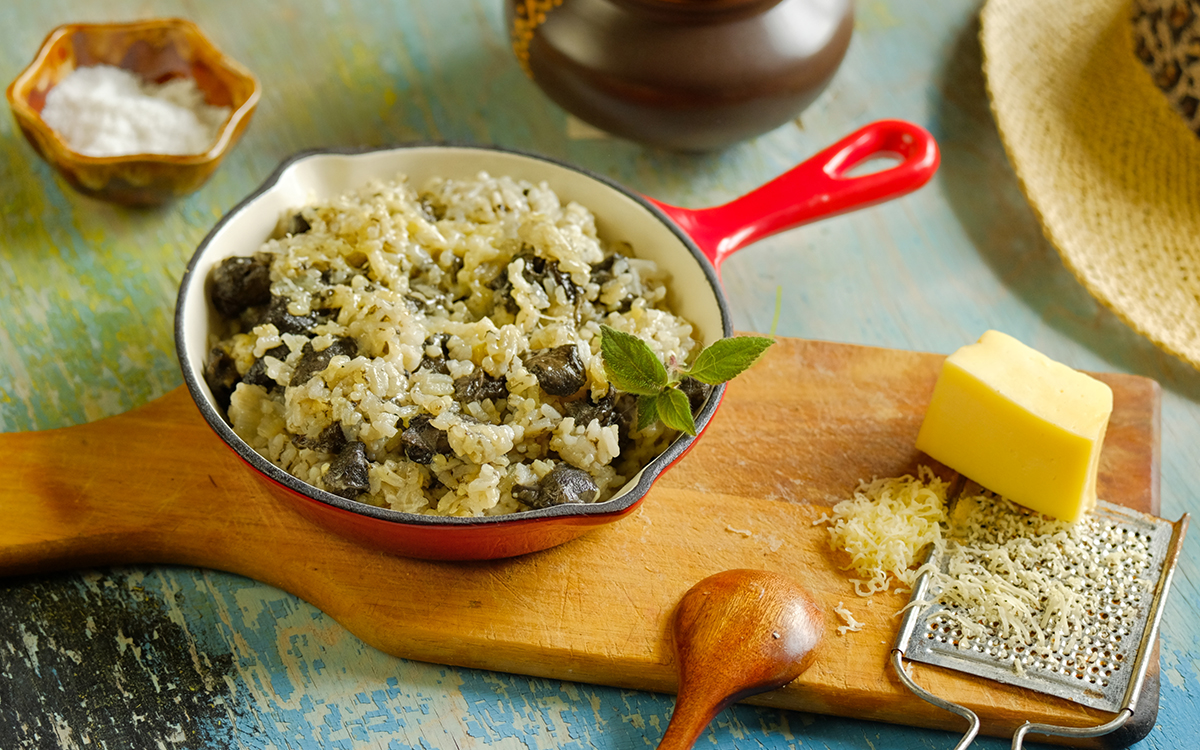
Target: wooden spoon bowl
(737, 634)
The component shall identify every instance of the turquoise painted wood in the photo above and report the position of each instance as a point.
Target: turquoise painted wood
(182, 658)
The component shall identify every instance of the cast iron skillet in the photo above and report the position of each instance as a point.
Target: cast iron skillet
(690, 244)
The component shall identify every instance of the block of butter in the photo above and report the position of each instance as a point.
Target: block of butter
(1020, 424)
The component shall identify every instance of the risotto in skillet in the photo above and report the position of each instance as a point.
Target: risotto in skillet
(437, 350)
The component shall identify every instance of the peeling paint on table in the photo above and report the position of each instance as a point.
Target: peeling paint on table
(188, 658)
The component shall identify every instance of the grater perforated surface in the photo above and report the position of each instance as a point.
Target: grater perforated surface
(1111, 563)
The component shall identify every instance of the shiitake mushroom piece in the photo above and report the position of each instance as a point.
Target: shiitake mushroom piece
(562, 279)
(422, 441)
(349, 474)
(625, 414)
(433, 211)
(607, 270)
(277, 314)
(297, 224)
(502, 289)
(312, 361)
(584, 410)
(696, 392)
(479, 386)
(559, 371)
(221, 374)
(536, 271)
(614, 407)
(435, 363)
(562, 486)
(332, 439)
(257, 374)
(240, 283)
(424, 296)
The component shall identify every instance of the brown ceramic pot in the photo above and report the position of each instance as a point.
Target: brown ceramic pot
(690, 75)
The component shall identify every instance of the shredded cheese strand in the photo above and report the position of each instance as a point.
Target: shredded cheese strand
(852, 625)
(886, 526)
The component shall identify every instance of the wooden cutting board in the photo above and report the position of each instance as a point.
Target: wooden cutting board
(794, 436)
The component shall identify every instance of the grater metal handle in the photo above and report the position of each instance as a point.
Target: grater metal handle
(963, 711)
(1097, 731)
(907, 626)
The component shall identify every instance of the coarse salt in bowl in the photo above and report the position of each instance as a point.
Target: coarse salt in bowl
(103, 110)
(99, 152)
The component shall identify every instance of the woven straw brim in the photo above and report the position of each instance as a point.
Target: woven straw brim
(1112, 172)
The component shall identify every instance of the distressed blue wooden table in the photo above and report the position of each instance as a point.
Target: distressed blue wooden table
(164, 657)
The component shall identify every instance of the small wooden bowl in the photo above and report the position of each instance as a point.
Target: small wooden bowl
(156, 50)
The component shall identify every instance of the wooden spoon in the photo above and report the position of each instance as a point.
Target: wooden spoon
(737, 634)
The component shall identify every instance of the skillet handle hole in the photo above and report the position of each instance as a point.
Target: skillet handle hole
(880, 161)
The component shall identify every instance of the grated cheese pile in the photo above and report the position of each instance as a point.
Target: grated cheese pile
(1000, 570)
(1014, 574)
(887, 527)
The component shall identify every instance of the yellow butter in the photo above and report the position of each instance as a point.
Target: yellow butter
(1020, 424)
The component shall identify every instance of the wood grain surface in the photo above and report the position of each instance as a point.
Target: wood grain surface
(794, 435)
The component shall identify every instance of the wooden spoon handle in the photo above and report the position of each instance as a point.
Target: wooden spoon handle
(737, 633)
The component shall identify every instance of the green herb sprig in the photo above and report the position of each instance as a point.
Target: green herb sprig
(633, 368)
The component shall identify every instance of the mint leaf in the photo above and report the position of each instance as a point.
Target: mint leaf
(632, 367)
(725, 359)
(647, 411)
(629, 363)
(675, 411)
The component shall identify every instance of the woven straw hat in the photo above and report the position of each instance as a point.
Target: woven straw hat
(1109, 165)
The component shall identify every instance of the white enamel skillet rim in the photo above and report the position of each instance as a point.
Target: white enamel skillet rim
(690, 244)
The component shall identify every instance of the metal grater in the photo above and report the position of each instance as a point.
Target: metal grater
(1103, 666)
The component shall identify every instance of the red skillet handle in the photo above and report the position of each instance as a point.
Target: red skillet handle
(815, 189)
